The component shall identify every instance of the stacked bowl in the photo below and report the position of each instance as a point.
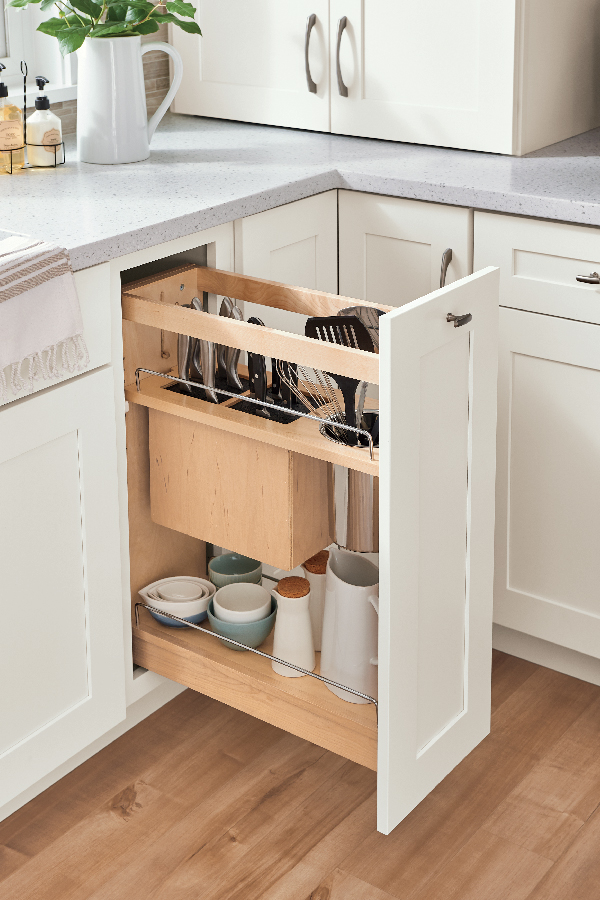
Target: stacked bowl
(183, 596)
(241, 608)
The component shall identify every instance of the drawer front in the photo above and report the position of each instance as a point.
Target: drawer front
(539, 263)
(93, 289)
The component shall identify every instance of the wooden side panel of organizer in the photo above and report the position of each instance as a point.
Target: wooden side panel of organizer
(257, 499)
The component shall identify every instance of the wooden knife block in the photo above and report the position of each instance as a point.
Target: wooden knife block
(254, 498)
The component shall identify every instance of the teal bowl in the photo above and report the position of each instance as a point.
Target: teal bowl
(252, 634)
(231, 567)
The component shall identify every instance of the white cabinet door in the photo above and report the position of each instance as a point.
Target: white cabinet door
(431, 73)
(391, 249)
(295, 244)
(249, 63)
(548, 485)
(61, 641)
(437, 458)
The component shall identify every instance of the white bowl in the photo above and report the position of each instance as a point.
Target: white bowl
(181, 589)
(185, 609)
(242, 602)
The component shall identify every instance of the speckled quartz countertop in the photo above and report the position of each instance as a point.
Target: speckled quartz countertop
(203, 172)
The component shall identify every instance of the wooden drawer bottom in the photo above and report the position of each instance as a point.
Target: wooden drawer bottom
(303, 706)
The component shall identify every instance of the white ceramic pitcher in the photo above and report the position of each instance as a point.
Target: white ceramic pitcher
(350, 624)
(112, 121)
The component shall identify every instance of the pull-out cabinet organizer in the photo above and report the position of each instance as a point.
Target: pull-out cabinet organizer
(199, 471)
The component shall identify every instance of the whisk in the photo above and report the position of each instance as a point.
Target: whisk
(316, 391)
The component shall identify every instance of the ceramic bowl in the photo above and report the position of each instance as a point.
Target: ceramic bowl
(253, 634)
(190, 610)
(242, 602)
(231, 567)
(178, 590)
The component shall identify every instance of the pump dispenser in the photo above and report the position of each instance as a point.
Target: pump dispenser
(44, 131)
(11, 131)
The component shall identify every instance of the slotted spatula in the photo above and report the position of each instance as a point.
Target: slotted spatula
(348, 331)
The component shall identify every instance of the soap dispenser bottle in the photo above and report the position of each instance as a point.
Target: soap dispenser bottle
(11, 132)
(44, 132)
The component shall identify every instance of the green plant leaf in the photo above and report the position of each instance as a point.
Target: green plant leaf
(91, 9)
(164, 17)
(46, 4)
(181, 8)
(117, 12)
(138, 11)
(190, 27)
(53, 26)
(109, 28)
(70, 39)
(147, 27)
(21, 3)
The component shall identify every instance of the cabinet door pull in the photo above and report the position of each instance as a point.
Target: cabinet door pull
(459, 320)
(446, 260)
(593, 278)
(343, 90)
(310, 24)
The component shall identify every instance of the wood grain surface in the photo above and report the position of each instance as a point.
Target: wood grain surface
(203, 801)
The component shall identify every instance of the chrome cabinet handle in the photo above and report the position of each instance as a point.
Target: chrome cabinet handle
(343, 90)
(310, 24)
(594, 278)
(446, 260)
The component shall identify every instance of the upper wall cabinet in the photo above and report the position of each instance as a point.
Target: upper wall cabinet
(506, 77)
(250, 63)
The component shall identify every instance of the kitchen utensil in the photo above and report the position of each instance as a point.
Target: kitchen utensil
(350, 624)
(257, 373)
(356, 505)
(190, 610)
(226, 306)
(316, 392)
(206, 351)
(242, 602)
(252, 634)
(231, 567)
(314, 570)
(288, 380)
(347, 331)
(184, 356)
(369, 317)
(293, 640)
(232, 357)
(275, 380)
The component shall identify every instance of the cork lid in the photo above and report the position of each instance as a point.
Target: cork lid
(293, 587)
(317, 564)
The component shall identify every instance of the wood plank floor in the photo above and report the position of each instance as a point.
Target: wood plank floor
(202, 801)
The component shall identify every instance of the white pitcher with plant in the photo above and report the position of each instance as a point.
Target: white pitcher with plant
(112, 124)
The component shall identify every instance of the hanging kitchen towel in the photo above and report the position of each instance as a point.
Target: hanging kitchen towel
(41, 330)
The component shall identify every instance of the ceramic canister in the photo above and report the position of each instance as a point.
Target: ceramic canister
(293, 640)
(315, 570)
(350, 624)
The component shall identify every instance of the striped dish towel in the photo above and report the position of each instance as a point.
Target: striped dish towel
(41, 330)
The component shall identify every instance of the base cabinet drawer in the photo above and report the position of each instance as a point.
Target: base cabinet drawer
(540, 263)
(202, 471)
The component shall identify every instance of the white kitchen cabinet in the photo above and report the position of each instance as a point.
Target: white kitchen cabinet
(391, 249)
(506, 77)
(548, 478)
(61, 641)
(249, 64)
(295, 244)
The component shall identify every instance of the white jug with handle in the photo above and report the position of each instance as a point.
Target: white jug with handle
(112, 121)
(350, 625)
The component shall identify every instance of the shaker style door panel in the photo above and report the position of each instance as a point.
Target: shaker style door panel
(437, 459)
(250, 63)
(432, 73)
(295, 244)
(61, 642)
(548, 482)
(391, 249)
(539, 264)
